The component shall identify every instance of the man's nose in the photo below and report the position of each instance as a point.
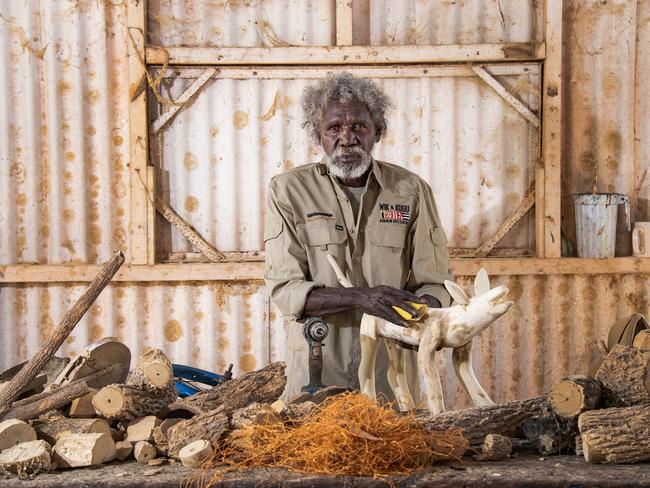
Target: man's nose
(348, 137)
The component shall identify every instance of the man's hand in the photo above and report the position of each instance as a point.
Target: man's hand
(377, 301)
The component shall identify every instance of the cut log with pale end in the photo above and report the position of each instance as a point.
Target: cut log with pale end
(123, 449)
(32, 407)
(210, 426)
(77, 450)
(550, 434)
(616, 435)
(574, 395)
(82, 407)
(625, 376)
(253, 414)
(160, 435)
(144, 452)
(279, 406)
(27, 459)
(502, 418)
(108, 351)
(51, 430)
(14, 431)
(262, 386)
(142, 429)
(495, 448)
(60, 333)
(153, 371)
(195, 454)
(123, 402)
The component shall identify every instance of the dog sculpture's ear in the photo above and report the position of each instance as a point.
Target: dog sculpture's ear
(481, 282)
(456, 292)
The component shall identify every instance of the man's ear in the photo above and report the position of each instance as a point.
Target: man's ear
(377, 136)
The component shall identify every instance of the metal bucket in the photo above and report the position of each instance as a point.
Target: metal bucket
(596, 223)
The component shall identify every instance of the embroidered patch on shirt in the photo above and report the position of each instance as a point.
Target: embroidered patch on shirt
(325, 216)
(394, 213)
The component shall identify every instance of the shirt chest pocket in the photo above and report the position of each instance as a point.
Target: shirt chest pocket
(388, 257)
(322, 237)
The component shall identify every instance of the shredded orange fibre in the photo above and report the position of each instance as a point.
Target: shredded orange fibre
(348, 434)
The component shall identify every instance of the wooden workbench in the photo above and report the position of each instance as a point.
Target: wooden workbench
(529, 471)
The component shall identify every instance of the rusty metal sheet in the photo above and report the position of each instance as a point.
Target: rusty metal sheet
(242, 23)
(63, 132)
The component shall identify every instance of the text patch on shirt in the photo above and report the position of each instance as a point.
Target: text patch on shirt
(394, 213)
(320, 216)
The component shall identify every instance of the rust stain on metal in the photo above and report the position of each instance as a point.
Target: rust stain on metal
(173, 330)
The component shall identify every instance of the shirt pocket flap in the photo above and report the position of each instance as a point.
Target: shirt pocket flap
(438, 236)
(388, 237)
(272, 229)
(321, 235)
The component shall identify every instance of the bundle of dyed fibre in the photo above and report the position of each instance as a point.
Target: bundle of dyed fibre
(348, 434)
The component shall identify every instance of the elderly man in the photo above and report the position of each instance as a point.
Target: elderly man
(378, 220)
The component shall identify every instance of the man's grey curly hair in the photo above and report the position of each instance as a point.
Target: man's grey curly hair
(343, 87)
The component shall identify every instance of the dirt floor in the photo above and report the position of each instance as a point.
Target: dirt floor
(528, 471)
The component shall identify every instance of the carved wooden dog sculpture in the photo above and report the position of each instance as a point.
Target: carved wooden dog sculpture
(453, 327)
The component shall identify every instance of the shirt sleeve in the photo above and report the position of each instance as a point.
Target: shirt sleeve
(430, 265)
(286, 260)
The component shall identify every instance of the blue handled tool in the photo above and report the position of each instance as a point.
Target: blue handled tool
(186, 378)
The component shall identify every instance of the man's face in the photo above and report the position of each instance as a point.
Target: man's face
(347, 135)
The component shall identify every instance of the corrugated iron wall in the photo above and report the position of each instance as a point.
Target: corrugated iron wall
(64, 179)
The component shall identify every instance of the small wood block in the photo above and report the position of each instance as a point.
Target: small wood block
(195, 453)
(76, 450)
(123, 450)
(51, 430)
(27, 458)
(82, 407)
(642, 339)
(14, 431)
(495, 448)
(144, 452)
(142, 429)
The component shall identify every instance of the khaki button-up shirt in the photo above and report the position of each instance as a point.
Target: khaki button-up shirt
(396, 239)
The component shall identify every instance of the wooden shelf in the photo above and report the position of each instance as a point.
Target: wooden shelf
(254, 270)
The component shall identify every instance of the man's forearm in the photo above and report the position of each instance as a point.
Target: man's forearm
(327, 301)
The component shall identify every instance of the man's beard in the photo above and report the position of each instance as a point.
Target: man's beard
(348, 163)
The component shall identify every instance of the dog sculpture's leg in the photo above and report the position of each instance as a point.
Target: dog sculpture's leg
(461, 358)
(397, 377)
(427, 368)
(369, 345)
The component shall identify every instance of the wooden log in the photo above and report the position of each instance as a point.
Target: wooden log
(32, 388)
(189, 232)
(31, 408)
(625, 376)
(142, 429)
(502, 418)
(153, 372)
(144, 452)
(574, 395)
(77, 450)
(262, 386)
(27, 459)
(160, 435)
(105, 352)
(255, 413)
(642, 339)
(123, 449)
(14, 431)
(578, 446)
(51, 369)
(211, 426)
(550, 433)
(50, 431)
(616, 435)
(195, 453)
(123, 402)
(60, 333)
(82, 407)
(495, 448)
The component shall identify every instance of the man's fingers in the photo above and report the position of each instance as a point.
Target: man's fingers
(395, 318)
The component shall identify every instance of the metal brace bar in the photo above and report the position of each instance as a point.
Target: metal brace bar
(160, 122)
(506, 95)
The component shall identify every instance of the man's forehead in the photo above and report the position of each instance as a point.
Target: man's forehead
(352, 107)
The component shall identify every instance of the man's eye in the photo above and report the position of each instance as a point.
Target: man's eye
(358, 126)
(334, 128)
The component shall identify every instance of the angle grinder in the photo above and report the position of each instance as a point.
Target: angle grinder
(315, 331)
